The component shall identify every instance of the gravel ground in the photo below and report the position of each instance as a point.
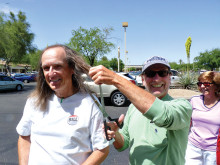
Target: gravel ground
(182, 93)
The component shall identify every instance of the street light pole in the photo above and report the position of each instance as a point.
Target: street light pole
(118, 59)
(125, 24)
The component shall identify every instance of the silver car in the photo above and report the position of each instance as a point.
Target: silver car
(110, 91)
(175, 79)
(7, 83)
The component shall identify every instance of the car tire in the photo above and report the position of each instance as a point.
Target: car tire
(18, 87)
(118, 99)
(26, 81)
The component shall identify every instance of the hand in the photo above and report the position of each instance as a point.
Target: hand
(114, 127)
(102, 75)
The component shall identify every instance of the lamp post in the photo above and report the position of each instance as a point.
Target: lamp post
(118, 59)
(125, 24)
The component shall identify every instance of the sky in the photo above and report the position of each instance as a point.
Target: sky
(155, 27)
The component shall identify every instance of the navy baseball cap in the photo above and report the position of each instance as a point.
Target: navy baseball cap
(155, 60)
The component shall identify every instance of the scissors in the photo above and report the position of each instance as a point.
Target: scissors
(105, 115)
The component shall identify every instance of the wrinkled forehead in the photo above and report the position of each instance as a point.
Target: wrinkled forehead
(157, 67)
(56, 54)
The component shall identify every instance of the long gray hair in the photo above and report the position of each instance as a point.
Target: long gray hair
(43, 92)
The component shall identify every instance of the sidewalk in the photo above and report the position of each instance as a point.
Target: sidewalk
(183, 93)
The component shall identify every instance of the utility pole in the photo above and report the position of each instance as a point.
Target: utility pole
(118, 59)
(125, 24)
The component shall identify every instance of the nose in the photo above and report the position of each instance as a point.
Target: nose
(156, 76)
(51, 71)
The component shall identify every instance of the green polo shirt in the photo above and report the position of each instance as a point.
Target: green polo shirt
(160, 135)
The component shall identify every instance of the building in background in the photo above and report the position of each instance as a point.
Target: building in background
(15, 68)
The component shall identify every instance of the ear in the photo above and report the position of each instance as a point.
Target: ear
(142, 78)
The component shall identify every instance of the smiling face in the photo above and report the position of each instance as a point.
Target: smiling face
(56, 71)
(158, 86)
(207, 91)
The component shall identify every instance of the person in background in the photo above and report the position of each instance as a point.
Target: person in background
(156, 126)
(201, 148)
(61, 124)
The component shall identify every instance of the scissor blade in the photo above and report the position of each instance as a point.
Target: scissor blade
(102, 106)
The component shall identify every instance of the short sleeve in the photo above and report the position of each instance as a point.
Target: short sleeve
(97, 133)
(24, 126)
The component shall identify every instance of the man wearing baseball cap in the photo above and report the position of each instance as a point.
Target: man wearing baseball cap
(156, 126)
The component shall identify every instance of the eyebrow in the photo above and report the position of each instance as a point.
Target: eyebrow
(55, 63)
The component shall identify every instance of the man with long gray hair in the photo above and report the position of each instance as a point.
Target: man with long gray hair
(61, 124)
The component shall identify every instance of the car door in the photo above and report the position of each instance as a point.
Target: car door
(106, 89)
(8, 82)
(2, 83)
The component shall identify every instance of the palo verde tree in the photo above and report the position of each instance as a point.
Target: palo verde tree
(91, 43)
(114, 64)
(15, 38)
(188, 45)
(32, 59)
(209, 59)
(105, 62)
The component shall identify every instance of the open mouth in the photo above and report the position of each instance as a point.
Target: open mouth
(157, 85)
(54, 80)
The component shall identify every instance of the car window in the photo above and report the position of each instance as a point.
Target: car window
(19, 75)
(129, 76)
(6, 78)
(174, 73)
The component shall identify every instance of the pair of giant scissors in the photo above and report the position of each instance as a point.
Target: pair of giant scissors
(106, 116)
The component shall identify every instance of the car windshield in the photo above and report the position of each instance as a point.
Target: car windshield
(135, 73)
(129, 76)
(174, 73)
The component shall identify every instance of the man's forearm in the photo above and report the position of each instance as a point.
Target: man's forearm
(141, 99)
(23, 149)
(97, 157)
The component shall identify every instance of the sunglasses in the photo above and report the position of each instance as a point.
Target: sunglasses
(161, 73)
(206, 84)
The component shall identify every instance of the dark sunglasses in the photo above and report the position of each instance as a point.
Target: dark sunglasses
(206, 84)
(161, 73)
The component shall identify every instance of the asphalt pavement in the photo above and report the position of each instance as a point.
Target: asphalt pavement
(11, 109)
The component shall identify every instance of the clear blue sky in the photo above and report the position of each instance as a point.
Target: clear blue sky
(155, 27)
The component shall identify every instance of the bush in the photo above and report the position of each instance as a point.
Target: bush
(189, 81)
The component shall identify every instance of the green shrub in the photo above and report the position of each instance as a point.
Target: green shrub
(188, 81)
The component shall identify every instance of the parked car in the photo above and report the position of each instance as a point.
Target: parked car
(137, 76)
(110, 91)
(7, 83)
(174, 79)
(33, 75)
(24, 78)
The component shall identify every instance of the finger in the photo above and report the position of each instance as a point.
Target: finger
(93, 73)
(94, 70)
(121, 118)
(111, 125)
(111, 134)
